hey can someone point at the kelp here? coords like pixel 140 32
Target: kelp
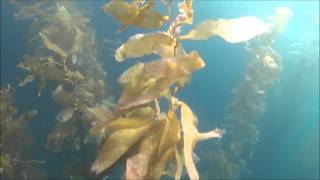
pixel 119 143
pixel 16 142
pixel 65 133
pixel 231 30
pixel 137 166
pixel 184 17
pixel 135 14
pixel 144 83
pixel 42 68
pixel 136 128
pixel 191 136
pixel 145 44
pixel 132 119
pixel 52 46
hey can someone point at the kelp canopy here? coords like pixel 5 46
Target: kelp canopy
pixel 150 140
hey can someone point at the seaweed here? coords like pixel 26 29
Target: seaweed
pixel 134 129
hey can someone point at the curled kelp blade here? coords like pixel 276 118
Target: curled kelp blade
pixel 145 44
pixel 117 144
pixel 231 30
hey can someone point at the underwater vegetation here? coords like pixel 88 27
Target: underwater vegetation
pixel 16 141
pixel 148 130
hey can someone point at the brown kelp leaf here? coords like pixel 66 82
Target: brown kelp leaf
pixel 135 71
pixel 153 79
pixel 157 169
pixel 137 13
pixel 183 82
pixel 191 136
pixel 116 145
pixel 151 19
pixel 232 30
pixel 53 47
pixel 122 11
pixel 171 133
pixel 101 112
pixel 137 166
pixel 133 119
pixel 179 164
pixel 145 44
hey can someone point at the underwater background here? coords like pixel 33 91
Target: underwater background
pixel 287 143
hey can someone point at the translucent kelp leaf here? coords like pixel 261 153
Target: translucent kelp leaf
pixel 191 136
pixel 154 78
pixel 280 19
pixel 53 46
pixel 158 168
pixel 134 119
pixel 179 164
pixel 137 166
pixel 116 145
pixel 136 13
pixel 232 30
pixel 151 19
pixel 183 81
pixel 171 133
pixel 101 112
pixel 126 78
pixel 122 11
pixel 145 44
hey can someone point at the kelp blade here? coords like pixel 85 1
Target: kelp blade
pixel 231 30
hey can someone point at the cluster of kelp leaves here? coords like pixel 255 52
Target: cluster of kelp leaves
pixel 152 142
